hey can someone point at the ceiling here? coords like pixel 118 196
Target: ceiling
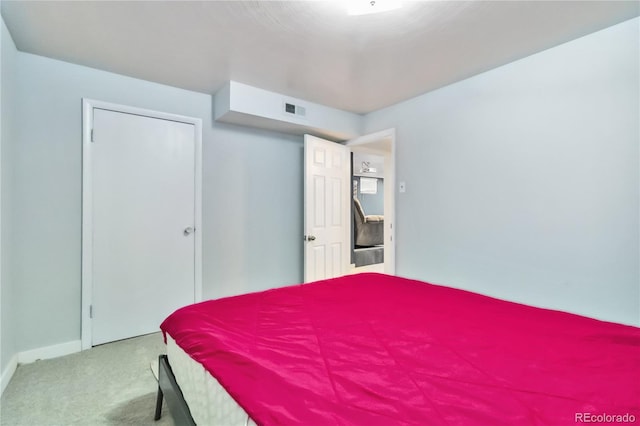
pixel 311 50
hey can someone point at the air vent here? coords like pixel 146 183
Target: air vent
pixel 292 109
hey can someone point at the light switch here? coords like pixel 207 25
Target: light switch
pixel 403 187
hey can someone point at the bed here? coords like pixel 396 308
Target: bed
pixel 373 349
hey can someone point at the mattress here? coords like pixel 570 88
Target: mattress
pixel 375 349
pixel 208 402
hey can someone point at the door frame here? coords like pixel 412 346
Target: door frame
pixel 88 105
pixel 367 144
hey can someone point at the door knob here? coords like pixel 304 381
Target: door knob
pixel 188 231
pixel 309 237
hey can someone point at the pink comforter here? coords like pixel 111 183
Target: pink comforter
pixel 372 349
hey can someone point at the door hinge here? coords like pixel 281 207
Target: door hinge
pixel 90 311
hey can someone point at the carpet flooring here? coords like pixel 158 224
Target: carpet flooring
pixel 111 384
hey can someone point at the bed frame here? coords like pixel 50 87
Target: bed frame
pixel 169 390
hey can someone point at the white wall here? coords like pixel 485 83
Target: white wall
pixel 252 195
pixel 523 182
pixel 7 97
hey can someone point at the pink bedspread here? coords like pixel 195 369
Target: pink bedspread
pixel 372 349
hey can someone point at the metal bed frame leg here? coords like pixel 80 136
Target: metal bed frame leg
pixel 169 391
pixel 158 404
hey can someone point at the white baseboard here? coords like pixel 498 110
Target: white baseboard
pixel 35 355
pixel 7 374
pixel 49 352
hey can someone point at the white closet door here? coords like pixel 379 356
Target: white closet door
pixel 143 220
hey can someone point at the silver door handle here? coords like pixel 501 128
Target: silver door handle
pixel 309 238
pixel 188 231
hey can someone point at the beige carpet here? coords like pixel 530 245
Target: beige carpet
pixel 110 384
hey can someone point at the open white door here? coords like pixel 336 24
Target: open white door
pixel 326 209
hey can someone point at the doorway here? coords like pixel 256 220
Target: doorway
pixel 141 245
pixel 328 205
pixel 373 206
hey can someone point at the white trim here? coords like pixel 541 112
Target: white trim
pixel 33 355
pixel 198 212
pixel 8 372
pixel 6 375
pixel 87 224
pixel 88 106
pixel 49 352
